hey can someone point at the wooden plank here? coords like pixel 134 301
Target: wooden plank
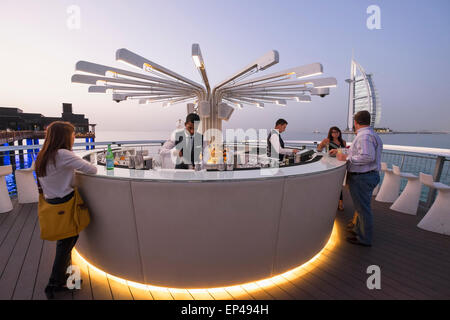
pixel 314 278
pixel 200 294
pixel 425 243
pixel 414 266
pixel 9 220
pixel 299 279
pixel 160 293
pixel 273 290
pixel 100 285
pixel 8 278
pixel 28 273
pixel 287 286
pixel 238 293
pixel 403 261
pixel 85 293
pixel 353 276
pixel 425 251
pixel 429 267
pixel 180 294
pixel 363 261
pixel 256 292
pixel 338 279
pixel 119 289
pixel 11 237
pixel 220 294
pixel 354 267
pixel 44 270
pixel 140 293
pixel 4 215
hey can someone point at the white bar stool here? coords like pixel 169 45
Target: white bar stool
pixel 437 218
pixel 408 201
pixel 5 200
pixel 376 190
pixel 27 190
pixel 390 188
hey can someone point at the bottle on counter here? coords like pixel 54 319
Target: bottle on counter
pixel 109 159
pixel 224 155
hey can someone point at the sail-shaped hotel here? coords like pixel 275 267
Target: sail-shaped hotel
pixel 362 95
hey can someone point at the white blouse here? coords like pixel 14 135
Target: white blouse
pixel 60 176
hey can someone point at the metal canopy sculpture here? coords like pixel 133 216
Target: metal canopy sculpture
pixel 159 84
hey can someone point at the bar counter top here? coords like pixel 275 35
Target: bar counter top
pixel 324 164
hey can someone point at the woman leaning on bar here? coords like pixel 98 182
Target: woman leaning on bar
pixel 334 141
pixel 55 168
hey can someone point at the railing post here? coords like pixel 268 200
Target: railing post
pixel 403 160
pixel 436 177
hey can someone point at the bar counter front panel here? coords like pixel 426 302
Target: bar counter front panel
pixel 188 229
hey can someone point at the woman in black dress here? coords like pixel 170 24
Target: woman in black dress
pixel 334 141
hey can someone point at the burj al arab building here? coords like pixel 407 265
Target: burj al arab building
pixel 362 95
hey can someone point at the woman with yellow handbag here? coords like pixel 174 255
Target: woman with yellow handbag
pixel 62 213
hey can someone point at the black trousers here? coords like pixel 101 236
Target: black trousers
pixel 63 252
pixel 62 261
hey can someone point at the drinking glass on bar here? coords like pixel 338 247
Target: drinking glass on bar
pixel 139 161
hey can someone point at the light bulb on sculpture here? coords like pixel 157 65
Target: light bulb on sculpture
pixel 213 106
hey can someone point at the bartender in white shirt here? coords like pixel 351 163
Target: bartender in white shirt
pixel 184 146
pixel 275 144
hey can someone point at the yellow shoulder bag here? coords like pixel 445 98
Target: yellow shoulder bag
pixel 64 220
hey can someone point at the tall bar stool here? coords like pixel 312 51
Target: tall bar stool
pixel 376 190
pixel 27 190
pixel 408 201
pixel 437 218
pixel 5 200
pixel 390 188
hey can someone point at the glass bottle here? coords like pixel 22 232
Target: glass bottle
pixel 109 159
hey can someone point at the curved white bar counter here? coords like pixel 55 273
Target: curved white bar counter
pixel 188 229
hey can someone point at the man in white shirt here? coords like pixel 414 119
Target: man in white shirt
pixel 363 166
pixel 275 144
pixel 185 145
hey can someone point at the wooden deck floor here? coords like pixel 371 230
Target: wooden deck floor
pixel 415 264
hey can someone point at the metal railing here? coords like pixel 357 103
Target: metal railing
pixel 410 159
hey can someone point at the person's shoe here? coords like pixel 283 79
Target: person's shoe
pixel 62 289
pixel 341 205
pixel 353 233
pixel 354 240
pixel 50 292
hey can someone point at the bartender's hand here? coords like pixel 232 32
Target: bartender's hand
pixel 333 152
pixel 295 151
pixel 341 157
pixel 180 153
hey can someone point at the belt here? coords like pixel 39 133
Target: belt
pixel 61 200
pixel 356 173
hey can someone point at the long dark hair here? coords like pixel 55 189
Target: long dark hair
pixel 330 137
pixel 57 136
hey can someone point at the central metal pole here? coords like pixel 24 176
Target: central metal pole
pixel 213 121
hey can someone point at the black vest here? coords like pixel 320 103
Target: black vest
pixel 271 153
pixel 191 151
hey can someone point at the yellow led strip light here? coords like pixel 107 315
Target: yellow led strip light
pixel 266 283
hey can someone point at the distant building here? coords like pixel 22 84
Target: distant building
pixel 14 119
pixel 362 95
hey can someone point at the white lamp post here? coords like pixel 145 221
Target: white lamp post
pixel 169 87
